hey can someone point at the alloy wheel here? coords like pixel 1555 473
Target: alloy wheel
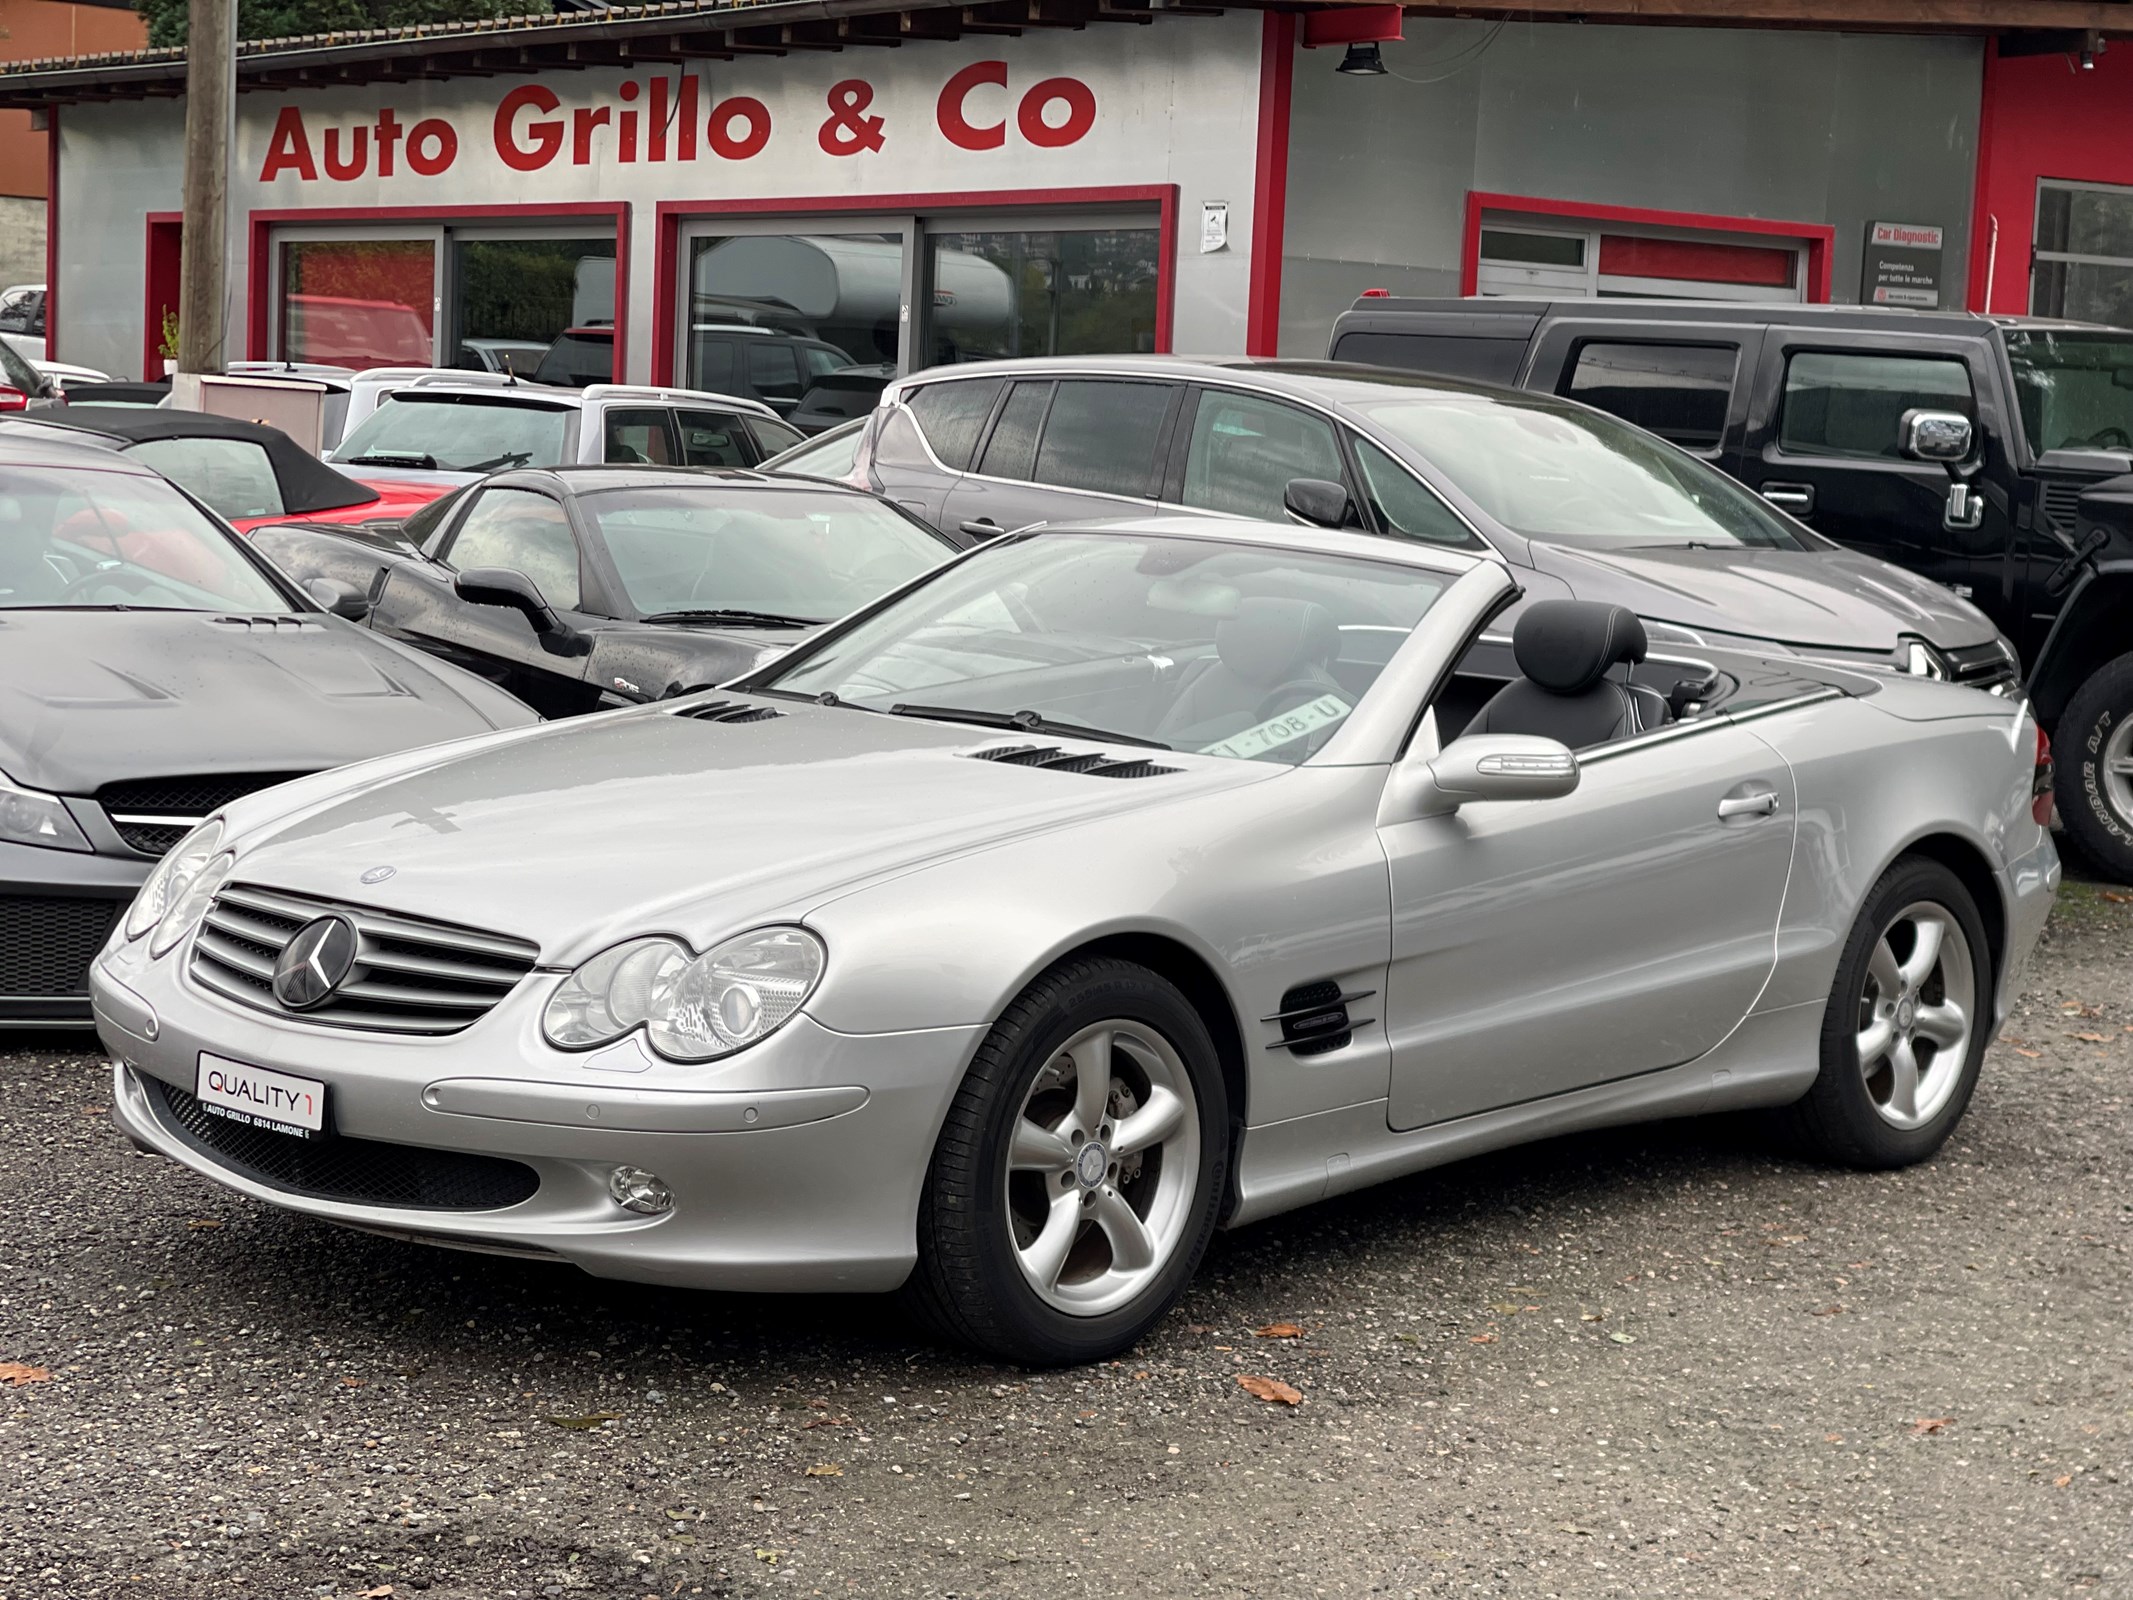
pixel 1914 1022
pixel 1102 1168
pixel 2117 769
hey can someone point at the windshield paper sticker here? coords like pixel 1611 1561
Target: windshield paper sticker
pixel 1284 729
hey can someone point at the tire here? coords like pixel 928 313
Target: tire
pixel 2095 734
pixel 1856 1114
pixel 989 1234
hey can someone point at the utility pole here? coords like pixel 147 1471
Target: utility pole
pixel 210 104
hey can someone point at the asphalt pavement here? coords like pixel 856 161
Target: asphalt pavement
pixel 1660 1361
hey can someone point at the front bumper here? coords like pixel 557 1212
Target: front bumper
pixel 56 909
pixel 795 1165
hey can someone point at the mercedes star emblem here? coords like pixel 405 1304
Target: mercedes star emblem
pixel 378 874
pixel 315 962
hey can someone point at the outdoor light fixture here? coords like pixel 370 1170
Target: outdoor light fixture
pixel 1362 61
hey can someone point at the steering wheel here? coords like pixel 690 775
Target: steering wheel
pixel 1288 696
pixel 124 579
pixel 2109 439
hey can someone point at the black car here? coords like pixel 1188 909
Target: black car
pixel 579 588
pixel 152 668
pixel 1807 404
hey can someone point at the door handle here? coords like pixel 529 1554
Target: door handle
pixel 982 528
pixel 1797 498
pixel 1748 805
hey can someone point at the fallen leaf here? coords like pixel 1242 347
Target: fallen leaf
pixel 1623 1338
pixel 94 1111
pixel 1827 1311
pixel 825 1469
pixel 584 1424
pixel 1926 1425
pixel 2119 899
pixel 1592 1316
pixel 769 1556
pixel 1271 1390
pixel 825 1422
pixel 1482 1338
pixel 1278 1330
pixel 382 1592
pixel 200 1223
pixel 1572 1527
pixel 2062 1482
pixel 1504 1308
pixel 352 1383
pixel 2090 1038
pixel 2032 1054
pixel 1833 1438
pixel 15 1374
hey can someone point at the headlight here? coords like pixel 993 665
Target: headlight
pixel 29 816
pixel 172 876
pixel 1921 660
pixel 692 1008
pixel 190 904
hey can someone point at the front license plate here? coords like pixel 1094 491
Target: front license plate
pixel 260 1098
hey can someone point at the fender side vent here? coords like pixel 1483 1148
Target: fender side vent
pixel 1314 1018
pixel 1054 759
pixel 727 711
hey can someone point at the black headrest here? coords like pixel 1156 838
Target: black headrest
pixel 1566 646
pixel 1270 641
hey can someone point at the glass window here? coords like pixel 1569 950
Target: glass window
pixel 840 295
pixel 1011 452
pixel 579 356
pixel 2095 223
pixel 1041 293
pixel 1577 477
pixel 512 298
pixel 359 302
pixel 1262 652
pixel 952 415
pixel 639 436
pixel 1245 451
pixel 1103 437
pixel 2074 388
pixel 793 553
pixel 1678 391
pixel 1405 504
pixel 231 476
pixel 1535 249
pixel 457 433
pixel 712 439
pixel 827 455
pixel 771 437
pixel 18 373
pixel 95 538
pixel 521 531
pixel 1852 405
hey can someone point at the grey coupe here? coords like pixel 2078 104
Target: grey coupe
pixel 1089 892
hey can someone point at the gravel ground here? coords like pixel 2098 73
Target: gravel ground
pixel 1654 1362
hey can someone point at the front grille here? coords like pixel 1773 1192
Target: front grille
pixel 152 814
pixel 1981 666
pixel 47 942
pixel 410 975
pixel 1053 759
pixel 364 1171
pixel 727 711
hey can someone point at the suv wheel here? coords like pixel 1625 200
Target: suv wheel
pixel 2093 746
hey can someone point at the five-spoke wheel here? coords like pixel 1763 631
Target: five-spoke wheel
pixel 1914 1014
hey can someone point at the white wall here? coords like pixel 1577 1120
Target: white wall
pixel 1176 103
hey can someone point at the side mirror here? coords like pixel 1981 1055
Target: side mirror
pixel 1945 437
pixel 1491 766
pixel 1318 503
pixel 341 599
pixel 503 586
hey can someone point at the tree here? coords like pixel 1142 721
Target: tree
pixel 276 19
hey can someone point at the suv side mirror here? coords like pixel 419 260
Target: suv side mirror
pixel 341 599
pixel 503 586
pixel 1490 766
pixel 1941 436
pixel 1318 503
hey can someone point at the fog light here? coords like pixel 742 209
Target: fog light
pixel 634 1189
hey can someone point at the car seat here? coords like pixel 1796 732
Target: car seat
pixel 1270 657
pixel 1564 649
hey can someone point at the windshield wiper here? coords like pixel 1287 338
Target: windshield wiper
pixel 390 458
pixel 735 617
pixel 510 458
pixel 1022 722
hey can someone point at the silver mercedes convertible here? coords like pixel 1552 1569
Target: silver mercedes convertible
pixel 1094 890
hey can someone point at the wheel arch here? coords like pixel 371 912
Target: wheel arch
pixel 1974 870
pixel 2084 638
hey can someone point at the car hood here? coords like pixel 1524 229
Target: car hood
pixel 95 697
pixel 1827 599
pixel 577 834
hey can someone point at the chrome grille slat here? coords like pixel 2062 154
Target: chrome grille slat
pixel 409 976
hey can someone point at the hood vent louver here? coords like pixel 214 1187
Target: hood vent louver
pixel 1090 764
pixel 727 711
pixel 266 624
pixel 1314 1018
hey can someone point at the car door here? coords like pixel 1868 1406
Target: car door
pixel 1243 450
pixel 1821 443
pixel 521 530
pixel 713 439
pixel 924 442
pixel 639 436
pixel 1068 450
pixel 1544 946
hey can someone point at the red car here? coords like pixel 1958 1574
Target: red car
pixel 248 473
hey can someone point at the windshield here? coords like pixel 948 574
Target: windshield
pixel 457 433
pixel 91 538
pixel 1191 644
pixel 828 455
pixel 809 556
pixel 1578 477
pixel 233 476
pixel 2073 389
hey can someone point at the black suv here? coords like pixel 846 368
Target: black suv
pixel 1808 405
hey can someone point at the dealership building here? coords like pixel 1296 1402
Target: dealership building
pixel 899 186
